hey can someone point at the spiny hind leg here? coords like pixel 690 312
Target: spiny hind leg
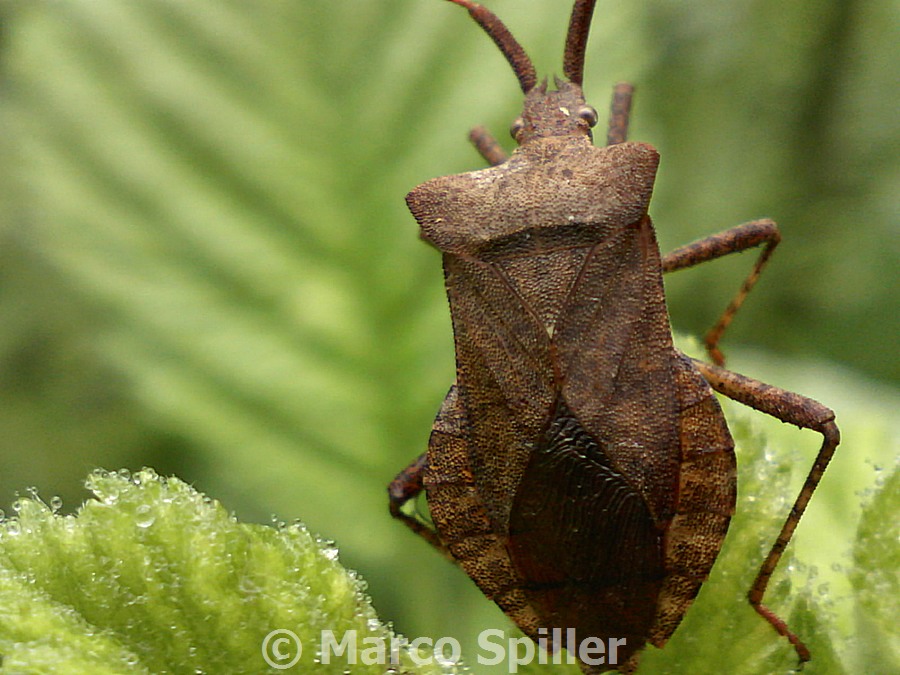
pixel 806 414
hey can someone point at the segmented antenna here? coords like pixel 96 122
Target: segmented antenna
pixel 512 50
pixel 576 41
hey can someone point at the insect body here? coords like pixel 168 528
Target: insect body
pixel 580 469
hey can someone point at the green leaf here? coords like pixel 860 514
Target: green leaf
pixel 876 558
pixel 152 576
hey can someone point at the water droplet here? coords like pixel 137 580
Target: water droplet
pixel 108 495
pixel 248 586
pixel 56 503
pixel 144 516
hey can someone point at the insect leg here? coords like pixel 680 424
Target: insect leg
pixel 739 238
pixel 619 111
pixel 806 414
pixel 408 484
pixel 487 146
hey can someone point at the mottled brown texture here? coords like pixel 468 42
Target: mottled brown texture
pixel 580 469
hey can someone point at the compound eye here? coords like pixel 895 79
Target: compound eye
pixel 516 127
pixel 588 114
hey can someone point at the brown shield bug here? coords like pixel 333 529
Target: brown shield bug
pixel 580 469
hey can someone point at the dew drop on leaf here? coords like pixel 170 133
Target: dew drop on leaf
pixel 144 516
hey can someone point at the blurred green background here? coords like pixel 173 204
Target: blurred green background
pixel 207 266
